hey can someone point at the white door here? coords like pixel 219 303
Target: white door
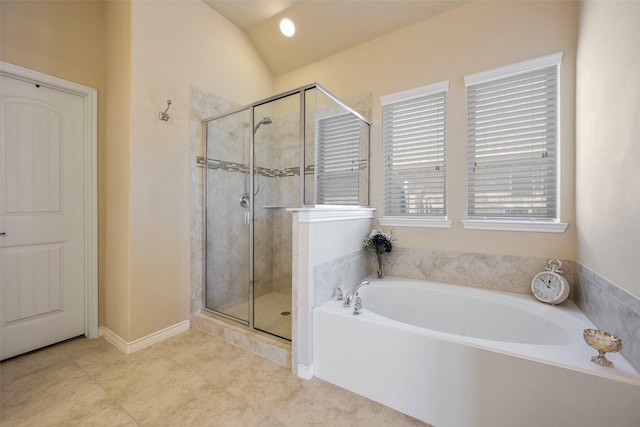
pixel 42 219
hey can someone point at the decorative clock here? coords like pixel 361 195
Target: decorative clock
pixel 550 286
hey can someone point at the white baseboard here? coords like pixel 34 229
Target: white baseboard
pixel 305 372
pixel 140 343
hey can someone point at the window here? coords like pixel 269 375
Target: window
pixel 512 147
pixel 338 160
pixel 414 130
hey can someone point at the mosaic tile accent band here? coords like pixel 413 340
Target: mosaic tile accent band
pixel 240 167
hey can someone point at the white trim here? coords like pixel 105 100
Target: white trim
pixel 507 225
pixel 415 92
pixel 520 67
pixel 305 372
pixel 114 339
pixel 559 148
pixel 90 97
pixel 388 221
pixel 324 214
pixel 140 343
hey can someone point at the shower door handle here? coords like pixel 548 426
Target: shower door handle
pixel 246 218
pixel 244 200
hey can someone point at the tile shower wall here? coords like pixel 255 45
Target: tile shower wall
pixel 611 309
pixel 263 221
pixel 203 105
pixel 285 161
pixel 227 233
pixel 277 161
pixel 223 186
pixel 277 180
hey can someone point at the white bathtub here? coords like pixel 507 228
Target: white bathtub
pixel 458 356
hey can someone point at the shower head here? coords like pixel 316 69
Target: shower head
pixel 266 120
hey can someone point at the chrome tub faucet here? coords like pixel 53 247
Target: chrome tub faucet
pixel 351 293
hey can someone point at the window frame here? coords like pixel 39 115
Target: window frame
pixel 506 223
pixel 436 221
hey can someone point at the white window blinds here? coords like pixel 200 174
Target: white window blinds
pixel 338 160
pixel 414 166
pixel 512 143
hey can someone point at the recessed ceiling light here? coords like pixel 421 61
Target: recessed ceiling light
pixel 287 28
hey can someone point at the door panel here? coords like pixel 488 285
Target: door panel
pixel 42 213
pixel 32 157
pixel 32 281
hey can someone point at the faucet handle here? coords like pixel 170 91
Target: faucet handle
pixel 339 294
pixel 357 306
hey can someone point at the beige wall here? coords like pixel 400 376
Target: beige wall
pixel 174 45
pixel 608 141
pixel 65 40
pixel 115 300
pixel 139 54
pixel 466 40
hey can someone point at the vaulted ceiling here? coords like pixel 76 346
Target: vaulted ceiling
pixel 323 27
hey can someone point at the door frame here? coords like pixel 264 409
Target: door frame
pixel 90 164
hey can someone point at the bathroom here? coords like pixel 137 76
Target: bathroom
pixel 148 203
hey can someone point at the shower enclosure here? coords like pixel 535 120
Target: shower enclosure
pixel 302 148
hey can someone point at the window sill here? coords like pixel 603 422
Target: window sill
pixel 415 222
pixel 506 225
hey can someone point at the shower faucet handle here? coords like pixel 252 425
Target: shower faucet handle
pixel 244 200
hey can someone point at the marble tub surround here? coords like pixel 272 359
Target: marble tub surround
pixel 187 380
pixel 497 272
pixel 611 309
pixel 342 272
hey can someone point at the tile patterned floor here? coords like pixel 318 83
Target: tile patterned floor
pixel 268 309
pixel 191 379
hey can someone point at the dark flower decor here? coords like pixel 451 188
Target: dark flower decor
pixel 379 243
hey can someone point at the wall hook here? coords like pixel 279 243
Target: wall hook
pixel 164 116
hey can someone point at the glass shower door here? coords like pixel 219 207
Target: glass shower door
pixel 276 188
pixel 227 195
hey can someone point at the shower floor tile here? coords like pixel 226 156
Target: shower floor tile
pixel 268 315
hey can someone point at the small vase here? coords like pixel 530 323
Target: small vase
pixel 380 267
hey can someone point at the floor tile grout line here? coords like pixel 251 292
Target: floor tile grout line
pixel 93 380
pixel 225 387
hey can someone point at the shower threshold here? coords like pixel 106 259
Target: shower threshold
pixel 264 345
pixel 268 314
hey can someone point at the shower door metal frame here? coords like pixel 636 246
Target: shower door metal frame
pixel 251 107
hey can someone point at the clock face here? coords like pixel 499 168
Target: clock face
pixel 549 287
